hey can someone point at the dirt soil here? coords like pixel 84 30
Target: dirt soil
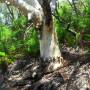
pixel 30 74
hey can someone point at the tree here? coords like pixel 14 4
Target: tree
pixel 39 11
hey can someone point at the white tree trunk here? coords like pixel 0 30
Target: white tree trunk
pixel 48 43
pixel 49 48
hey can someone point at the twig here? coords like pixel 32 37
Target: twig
pixel 12 16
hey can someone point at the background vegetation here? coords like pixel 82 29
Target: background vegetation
pixel 18 37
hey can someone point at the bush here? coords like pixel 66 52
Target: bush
pixel 32 43
pixel 17 41
pixel 78 19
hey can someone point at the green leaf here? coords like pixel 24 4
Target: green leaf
pixel 2 54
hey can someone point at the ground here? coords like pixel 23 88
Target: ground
pixel 32 74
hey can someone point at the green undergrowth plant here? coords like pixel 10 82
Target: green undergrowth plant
pixel 73 23
pixel 32 42
pixel 72 27
pixel 17 41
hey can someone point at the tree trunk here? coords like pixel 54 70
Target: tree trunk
pixel 49 48
pixel 48 42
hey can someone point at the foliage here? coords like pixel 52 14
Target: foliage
pixel 73 22
pixel 17 41
pixel 72 26
pixel 32 43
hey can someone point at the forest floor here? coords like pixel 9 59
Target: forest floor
pixel 30 74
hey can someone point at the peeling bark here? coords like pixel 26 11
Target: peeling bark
pixel 49 42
